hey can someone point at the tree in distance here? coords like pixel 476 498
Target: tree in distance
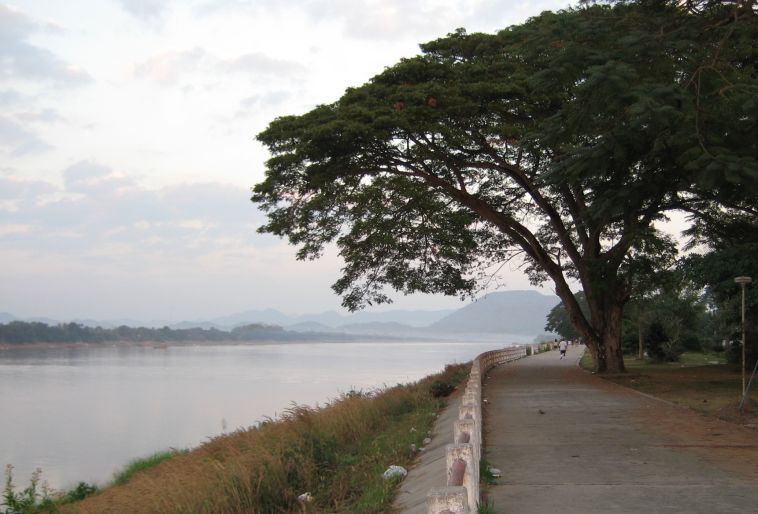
pixel 558 143
pixel 559 322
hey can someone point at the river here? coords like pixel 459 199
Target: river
pixel 83 413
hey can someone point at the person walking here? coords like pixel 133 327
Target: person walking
pixel 562 347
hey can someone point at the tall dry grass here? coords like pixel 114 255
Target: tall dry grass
pixel 337 453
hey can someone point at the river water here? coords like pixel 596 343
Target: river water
pixel 82 414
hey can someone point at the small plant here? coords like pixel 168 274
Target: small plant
pixel 34 498
pixel 80 492
pixel 487 507
pixel 486 476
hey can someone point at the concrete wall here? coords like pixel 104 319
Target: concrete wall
pixel 461 493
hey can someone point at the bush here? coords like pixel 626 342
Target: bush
pixel 658 346
pixel 440 389
pixel 80 492
pixel 449 379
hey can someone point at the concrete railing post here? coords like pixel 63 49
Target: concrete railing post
pixel 447 500
pixel 463 470
pixel 465 431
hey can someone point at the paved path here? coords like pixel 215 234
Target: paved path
pixel 569 442
pixel 429 469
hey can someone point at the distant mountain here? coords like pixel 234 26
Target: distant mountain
pixel 330 319
pixel 415 318
pixel 207 325
pixel 130 322
pixel 6 318
pixel 93 323
pixel 507 312
pixel 46 321
pixel 266 316
pixel 382 328
pixel 310 326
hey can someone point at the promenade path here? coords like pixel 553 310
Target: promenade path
pixel 429 469
pixel 570 442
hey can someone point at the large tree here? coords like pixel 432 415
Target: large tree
pixel 731 242
pixel 559 142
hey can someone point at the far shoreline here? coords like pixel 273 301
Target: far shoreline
pixel 163 345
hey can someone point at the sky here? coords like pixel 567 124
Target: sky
pixel 127 145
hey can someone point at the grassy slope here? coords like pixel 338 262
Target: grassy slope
pixel 337 453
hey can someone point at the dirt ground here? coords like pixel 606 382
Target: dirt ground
pixel 714 390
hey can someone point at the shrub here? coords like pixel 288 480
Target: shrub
pixel 80 492
pixel 658 346
pixel 440 389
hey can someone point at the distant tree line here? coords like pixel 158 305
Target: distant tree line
pixel 22 332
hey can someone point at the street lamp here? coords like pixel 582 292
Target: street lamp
pixel 743 281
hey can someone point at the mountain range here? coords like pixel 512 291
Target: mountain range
pixel 519 313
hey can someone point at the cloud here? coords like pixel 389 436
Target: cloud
pixel 170 67
pixel 20 59
pixel 19 140
pixel 18 193
pixel 368 19
pixel 391 20
pixel 97 206
pixel 47 115
pixel 270 100
pixel 145 10
pixel 261 64
pixel 9 97
pixel 84 173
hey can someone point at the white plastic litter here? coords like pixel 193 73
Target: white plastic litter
pixel 394 471
pixel 496 473
pixel 305 498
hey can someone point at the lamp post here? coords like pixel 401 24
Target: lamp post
pixel 743 281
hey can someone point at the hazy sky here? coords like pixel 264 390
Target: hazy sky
pixel 127 151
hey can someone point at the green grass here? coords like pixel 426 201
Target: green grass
pixel 486 508
pixel 137 465
pixel 485 475
pixel 687 359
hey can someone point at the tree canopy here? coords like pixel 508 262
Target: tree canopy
pixel 559 142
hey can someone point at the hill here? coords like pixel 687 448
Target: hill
pixel 507 312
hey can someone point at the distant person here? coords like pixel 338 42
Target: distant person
pixel 562 347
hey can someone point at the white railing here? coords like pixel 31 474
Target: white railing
pixel 461 493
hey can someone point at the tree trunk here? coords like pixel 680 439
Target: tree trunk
pixel 605 340
pixel 614 356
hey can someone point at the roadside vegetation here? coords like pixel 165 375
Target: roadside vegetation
pixel 336 453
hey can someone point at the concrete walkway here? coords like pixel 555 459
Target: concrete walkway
pixel 429 469
pixel 569 442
